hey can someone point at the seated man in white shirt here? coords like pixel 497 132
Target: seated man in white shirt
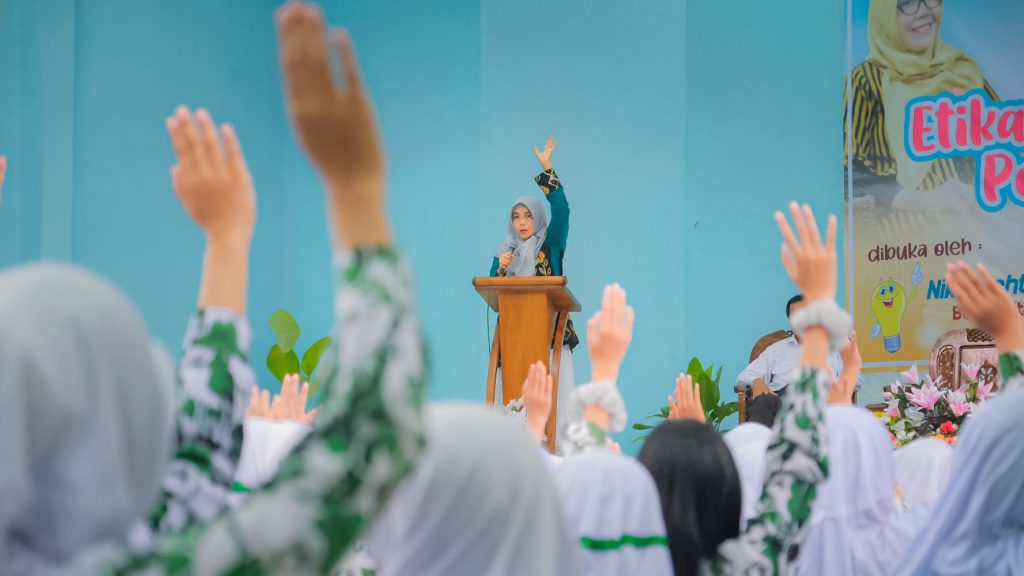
pixel 779 364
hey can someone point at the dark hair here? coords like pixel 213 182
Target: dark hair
pixel 793 300
pixel 699 488
pixel 764 409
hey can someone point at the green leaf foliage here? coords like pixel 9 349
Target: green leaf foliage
pixel 715 411
pixel 286 330
pixel 311 359
pixel 281 363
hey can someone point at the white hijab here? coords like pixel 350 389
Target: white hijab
pixel 857 500
pixel 85 417
pixel 922 469
pixel 978 525
pixel 748 444
pixel 524 252
pixel 612 504
pixel 480 502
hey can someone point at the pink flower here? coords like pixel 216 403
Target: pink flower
pixel 985 390
pixel 911 375
pixel 926 396
pixel 958 404
pixel 971 370
pixel 947 427
pixel 892 411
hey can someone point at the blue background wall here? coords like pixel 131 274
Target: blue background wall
pixel 682 127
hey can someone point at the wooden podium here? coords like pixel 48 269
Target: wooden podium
pixel 532 312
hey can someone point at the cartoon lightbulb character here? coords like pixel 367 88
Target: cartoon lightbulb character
pixel 888 304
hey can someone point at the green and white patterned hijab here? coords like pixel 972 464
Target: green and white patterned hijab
pixel 612 504
pixel 85 418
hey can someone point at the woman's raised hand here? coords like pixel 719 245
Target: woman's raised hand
pixel 609 332
pixel 211 179
pixel 544 156
pixel 685 403
pixel 537 399
pixel 336 125
pixel 811 265
pixel 987 304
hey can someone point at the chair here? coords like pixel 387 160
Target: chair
pixel 965 346
pixel 951 351
pixel 743 392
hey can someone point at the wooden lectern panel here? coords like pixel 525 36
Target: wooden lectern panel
pixel 532 314
pixel 525 338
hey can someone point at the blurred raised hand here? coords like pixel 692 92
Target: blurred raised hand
pixel 987 304
pixel 609 333
pixel 685 403
pixel 335 123
pixel 290 404
pixel 213 184
pixel 537 399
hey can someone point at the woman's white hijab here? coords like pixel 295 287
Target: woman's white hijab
pixel 524 252
pixel 748 444
pixel 857 500
pixel 922 470
pixel 480 502
pixel 613 505
pixel 978 525
pixel 85 417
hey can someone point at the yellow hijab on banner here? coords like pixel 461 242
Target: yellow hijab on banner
pixel 907 75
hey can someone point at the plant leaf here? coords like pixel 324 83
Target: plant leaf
pixel 281 363
pixel 641 426
pixel 285 329
pixel 718 376
pixel 694 369
pixel 311 359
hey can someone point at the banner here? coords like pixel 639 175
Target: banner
pixel 934 135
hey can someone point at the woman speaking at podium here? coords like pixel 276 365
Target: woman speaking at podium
pixel 535 247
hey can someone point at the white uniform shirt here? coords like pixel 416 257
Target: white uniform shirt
pixel 779 365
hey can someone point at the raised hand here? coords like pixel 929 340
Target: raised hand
pixel 685 404
pixel 537 399
pixel 212 180
pixel 336 125
pixel 213 184
pixel 290 404
pixel 987 304
pixel 259 404
pixel 810 264
pixel 3 172
pixel 609 332
pixel 544 156
pixel 850 355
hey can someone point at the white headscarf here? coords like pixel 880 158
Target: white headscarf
pixel 978 525
pixel 857 500
pixel 612 503
pixel 748 444
pixel 85 417
pixel 480 502
pixel 524 252
pixel 922 470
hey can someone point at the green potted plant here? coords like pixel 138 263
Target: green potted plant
pixel 715 411
pixel 283 358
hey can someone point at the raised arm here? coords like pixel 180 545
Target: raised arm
pixel 597 407
pixel 797 457
pixel 843 387
pixel 985 302
pixel 558 228
pixel 213 184
pixel 369 429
